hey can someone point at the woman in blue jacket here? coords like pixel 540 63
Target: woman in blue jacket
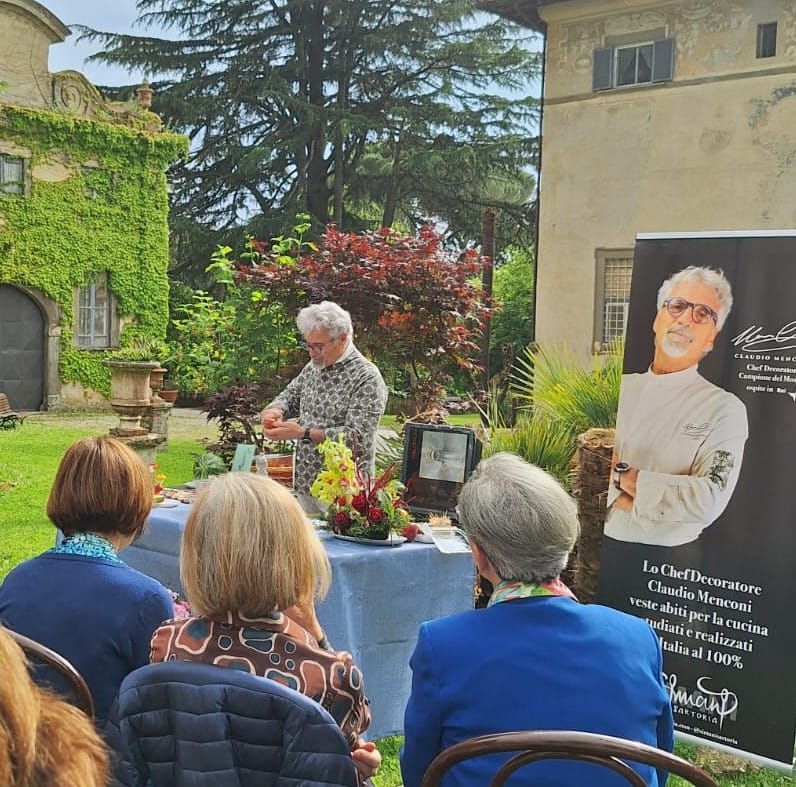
pixel 79 598
pixel 535 658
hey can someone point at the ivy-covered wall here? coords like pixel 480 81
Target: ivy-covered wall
pixel 96 201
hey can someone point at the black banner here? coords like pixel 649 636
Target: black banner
pixel 701 544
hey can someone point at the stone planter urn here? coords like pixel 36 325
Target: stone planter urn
pixel 130 394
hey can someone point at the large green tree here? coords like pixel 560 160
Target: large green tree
pixel 293 105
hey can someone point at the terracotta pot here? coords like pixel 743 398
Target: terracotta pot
pixel 169 396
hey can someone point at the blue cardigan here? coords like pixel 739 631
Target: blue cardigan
pixel 534 664
pixel 97 613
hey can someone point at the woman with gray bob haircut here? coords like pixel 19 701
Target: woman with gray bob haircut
pixel 534 659
pixel 519 517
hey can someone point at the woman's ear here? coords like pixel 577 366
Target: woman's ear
pixel 482 563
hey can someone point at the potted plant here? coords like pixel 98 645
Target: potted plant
pixel 206 465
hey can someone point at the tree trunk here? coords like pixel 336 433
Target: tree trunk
pixel 317 187
pixel 590 487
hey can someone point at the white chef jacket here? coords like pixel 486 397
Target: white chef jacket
pixel 686 437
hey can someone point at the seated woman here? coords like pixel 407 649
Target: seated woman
pixel 44 741
pixel 79 598
pixel 535 659
pixel 251 566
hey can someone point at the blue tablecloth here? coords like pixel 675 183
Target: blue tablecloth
pixel 379 597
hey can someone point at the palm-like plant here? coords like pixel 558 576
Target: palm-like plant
pixel 555 384
pixel 559 398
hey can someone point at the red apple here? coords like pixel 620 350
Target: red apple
pixel 410 531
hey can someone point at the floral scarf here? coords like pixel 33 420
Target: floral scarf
pixel 509 589
pixel 87 545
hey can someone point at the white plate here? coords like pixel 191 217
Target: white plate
pixel 392 541
pixel 167 503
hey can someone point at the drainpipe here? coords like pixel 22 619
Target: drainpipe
pixel 538 185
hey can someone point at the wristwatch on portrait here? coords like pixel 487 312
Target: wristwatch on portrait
pixel 306 439
pixel 619 469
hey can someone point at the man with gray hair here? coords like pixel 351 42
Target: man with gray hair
pixel 338 392
pixel 679 438
pixel 535 658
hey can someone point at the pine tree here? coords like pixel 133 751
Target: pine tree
pixel 330 106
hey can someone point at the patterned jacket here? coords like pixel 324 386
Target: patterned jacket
pixel 345 398
pixel 277 648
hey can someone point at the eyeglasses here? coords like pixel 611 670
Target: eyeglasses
pixel 315 347
pixel 700 313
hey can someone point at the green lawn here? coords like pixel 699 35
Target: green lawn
pixel 29 457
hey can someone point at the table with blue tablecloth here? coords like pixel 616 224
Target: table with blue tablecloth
pixel 378 598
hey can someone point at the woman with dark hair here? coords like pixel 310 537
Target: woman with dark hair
pixel 79 598
pixel 44 741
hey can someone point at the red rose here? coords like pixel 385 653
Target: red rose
pixel 375 515
pixel 342 520
pixel 360 503
pixel 341 502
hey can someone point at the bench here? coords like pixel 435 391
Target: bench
pixel 8 418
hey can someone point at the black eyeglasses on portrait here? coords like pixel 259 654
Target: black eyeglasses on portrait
pixel 700 313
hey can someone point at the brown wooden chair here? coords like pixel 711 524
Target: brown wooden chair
pixel 8 418
pixel 610 752
pixel 51 669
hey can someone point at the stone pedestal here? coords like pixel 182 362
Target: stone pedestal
pixel 157 419
pixel 145 446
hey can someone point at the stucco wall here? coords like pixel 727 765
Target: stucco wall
pixel 26 31
pixel 713 149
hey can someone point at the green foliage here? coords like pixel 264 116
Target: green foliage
pixel 207 464
pixel 415 307
pixel 437 95
pixel 240 335
pixel 554 383
pixel 107 213
pixel 559 399
pixel 538 440
pixel 512 292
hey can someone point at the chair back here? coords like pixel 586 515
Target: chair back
pixel 182 723
pixel 605 750
pixel 52 670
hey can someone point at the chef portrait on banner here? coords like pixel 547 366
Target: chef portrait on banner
pixel 679 438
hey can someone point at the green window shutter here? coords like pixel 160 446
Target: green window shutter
pixel 602 78
pixel 663 60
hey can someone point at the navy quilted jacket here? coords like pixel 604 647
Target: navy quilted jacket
pixel 181 724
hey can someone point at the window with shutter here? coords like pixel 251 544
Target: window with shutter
pixel 12 175
pixel 640 63
pixel 767 40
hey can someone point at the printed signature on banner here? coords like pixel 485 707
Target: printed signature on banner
pixel 701 702
pixel 755 339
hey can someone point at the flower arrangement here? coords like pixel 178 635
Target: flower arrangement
pixel 358 505
pixel 157 478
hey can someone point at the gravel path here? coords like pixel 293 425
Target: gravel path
pixel 185 422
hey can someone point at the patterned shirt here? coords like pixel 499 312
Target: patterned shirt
pixel 277 648
pixel 345 398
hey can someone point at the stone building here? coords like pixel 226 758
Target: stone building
pixel 83 210
pixel 659 116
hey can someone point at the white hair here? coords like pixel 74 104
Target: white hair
pixel 324 315
pixel 520 517
pixel 710 277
